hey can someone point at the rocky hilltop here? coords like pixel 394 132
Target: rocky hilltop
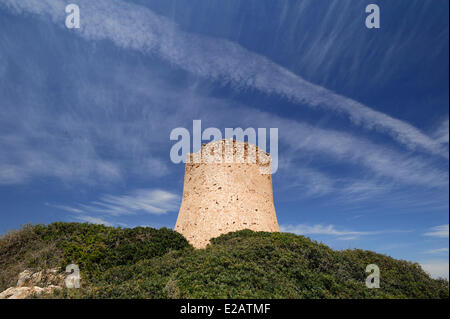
pixel 35 283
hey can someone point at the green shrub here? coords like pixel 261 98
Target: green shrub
pixel 94 248
pixel 151 263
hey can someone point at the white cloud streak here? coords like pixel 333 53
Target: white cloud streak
pixel 135 27
pixel 303 229
pixel 436 268
pixel 150 201
pixel 437 251
pixel 329 230
pixel 66 208
pixel 70 140
pixel 344 147
pixel 67 143
pixel 442 132
pixel 21 160
pixel 93 220
pixel 438 231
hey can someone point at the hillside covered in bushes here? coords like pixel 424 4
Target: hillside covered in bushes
pixel 160 263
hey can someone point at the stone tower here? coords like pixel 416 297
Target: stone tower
pixel 227 187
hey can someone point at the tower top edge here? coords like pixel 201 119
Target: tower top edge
pixel 229 151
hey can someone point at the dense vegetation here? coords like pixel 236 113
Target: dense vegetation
pixel 151 263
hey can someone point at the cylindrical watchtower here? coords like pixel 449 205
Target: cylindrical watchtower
pixel 227 187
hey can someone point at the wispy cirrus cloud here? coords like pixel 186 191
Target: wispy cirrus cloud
pixel 437 251
pixel 69 143
pixel 65 207
pixel 381 160
pixel 93 220
pixel 150 201
pixel 66 144
pixel 331 230
pixel 302 229
pixel 436 268
pixel 135 27
pixel 438 231
pixel 441 134
pixel 22 159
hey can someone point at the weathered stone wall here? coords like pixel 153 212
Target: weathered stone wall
pixel 226 189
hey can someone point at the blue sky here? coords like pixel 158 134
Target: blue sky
pixel 363 114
